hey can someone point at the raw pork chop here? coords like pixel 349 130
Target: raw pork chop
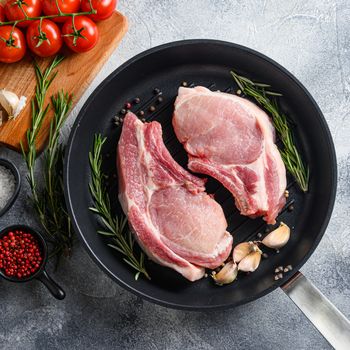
pixel 174 220
pixel 232 140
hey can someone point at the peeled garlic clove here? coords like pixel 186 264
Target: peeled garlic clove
pixel 278 237
pixel 11 103
pixel 241 250
pixel 21 104
pixel 227 274
pixel 251 262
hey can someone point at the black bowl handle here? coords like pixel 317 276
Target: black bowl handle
pixel 51 285
pixel 330 322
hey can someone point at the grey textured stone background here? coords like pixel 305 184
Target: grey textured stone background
pixel 312 40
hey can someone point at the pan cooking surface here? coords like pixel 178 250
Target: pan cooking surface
pixel 207 63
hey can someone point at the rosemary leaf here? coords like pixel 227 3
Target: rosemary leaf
pixel 105 233
pixel 116 227
pixel 289 152
pixel 115 247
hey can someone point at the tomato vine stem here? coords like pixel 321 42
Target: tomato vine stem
pixel 92 12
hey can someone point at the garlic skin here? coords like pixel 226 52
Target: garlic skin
pixel 251 262
pixel 227 274
pixel 11 103
pixel 277 238
pixel 241 250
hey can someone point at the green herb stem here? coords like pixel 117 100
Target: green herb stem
pixel 39 111
pixel 289 152
pixel 85 13
pixel 115 227
pixel 48 201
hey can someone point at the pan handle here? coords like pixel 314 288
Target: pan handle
pixel 51 285
pixel 330 322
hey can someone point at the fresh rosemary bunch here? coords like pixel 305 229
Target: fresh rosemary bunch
pixel 289 152
pixel 115 227
pixel 48 201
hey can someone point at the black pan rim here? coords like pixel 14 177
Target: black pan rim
pixel 90 99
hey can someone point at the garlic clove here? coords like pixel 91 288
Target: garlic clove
pixel 241 250
pixel 227 274
pixel 277 238
pixel 21 104
pixel 11 103
pixel 251 262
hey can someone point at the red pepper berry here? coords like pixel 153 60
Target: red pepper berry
pixel 20 254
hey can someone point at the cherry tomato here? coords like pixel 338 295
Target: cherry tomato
pixel 45 41
pixel 66 6
pixel 14 10
pixel 104 8
pixel 12 44
pixel 85 35
pixel 2 14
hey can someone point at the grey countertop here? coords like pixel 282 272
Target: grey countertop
pixel 309 38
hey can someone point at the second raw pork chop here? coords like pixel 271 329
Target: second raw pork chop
pixel 232 140
pixel 174 220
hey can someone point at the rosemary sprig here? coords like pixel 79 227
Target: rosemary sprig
pixel 48 201
pixel 290 154
pixel 115 227
pixel 39 111
pixel 56 215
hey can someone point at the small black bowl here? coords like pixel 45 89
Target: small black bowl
pixel 41 273
pixel 9 165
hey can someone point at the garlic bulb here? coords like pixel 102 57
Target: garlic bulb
pixel 278 237
pixel 227 274
pixel 241 250
pixel 251 262
pixel 11 103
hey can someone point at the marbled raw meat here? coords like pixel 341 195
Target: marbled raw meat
pixel 232 140
pixel 174 220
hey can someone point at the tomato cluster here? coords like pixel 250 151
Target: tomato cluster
pixel 44 25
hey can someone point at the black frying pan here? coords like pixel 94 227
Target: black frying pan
pixel 207 63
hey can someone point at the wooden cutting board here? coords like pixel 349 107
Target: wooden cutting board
pixel 75 74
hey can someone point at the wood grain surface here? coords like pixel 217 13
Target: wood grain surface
pixel 75 74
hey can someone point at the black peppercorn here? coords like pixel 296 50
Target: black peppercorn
pixel 141 113
pixel 160 99
pixel 136 100
pixel 152 109
pixel 184 83
pixel 156 91
pixel 123 111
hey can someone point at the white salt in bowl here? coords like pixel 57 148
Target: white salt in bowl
pixel 17 184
